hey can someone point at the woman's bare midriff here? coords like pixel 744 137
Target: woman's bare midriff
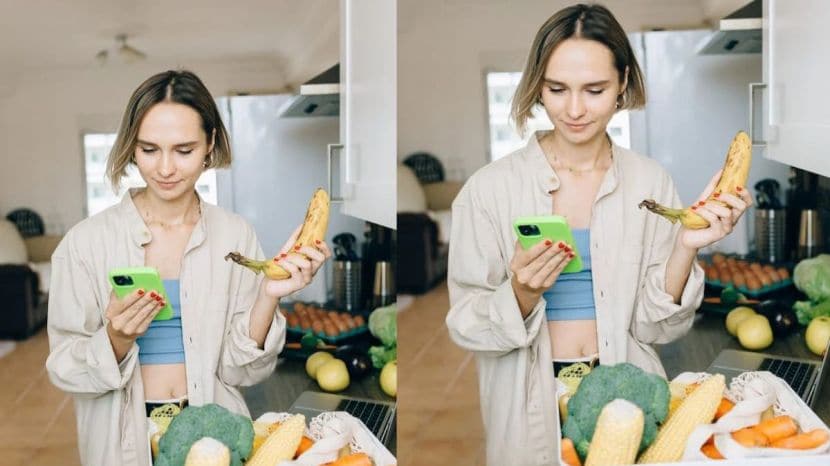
pixel 573 338
pixel 164 381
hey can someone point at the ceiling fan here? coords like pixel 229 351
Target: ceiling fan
pixel 123 52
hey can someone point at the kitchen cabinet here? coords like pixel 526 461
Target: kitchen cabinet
pixel 795 113
pixel 368 110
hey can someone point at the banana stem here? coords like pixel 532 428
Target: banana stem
pixel 256 266
pixel 673 215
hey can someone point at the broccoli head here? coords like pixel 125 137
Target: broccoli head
pixel 606 383
pixel 211 420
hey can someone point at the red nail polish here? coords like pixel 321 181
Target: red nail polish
pixel 283 255
pixel 561 245
pixel 570 256
pixel 567 249
pixel 297 247
pixel 317 241
pixel 694 207
pixel 701 203
pixel 716 195
pixel 739 189
pixel 276 260
pixel 141 292
pixel 153 294
pixel 548 242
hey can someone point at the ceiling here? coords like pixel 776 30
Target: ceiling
pixel 296 35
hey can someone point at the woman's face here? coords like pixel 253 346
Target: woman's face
pixel 171 150
pixel 580 89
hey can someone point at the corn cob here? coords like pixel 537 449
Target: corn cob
pixel 618 434
pixel 282 444
pixel 313 230
pixel 698 408
pixel 735 173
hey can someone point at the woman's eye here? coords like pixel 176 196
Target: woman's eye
pixel 148 150
pixel 596 91
pixel 556 90
pixel 185 151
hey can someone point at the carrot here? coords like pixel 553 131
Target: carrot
pixel 749 437
pixel 805 441
pixel 724 407
pixel 711 451
pixel 777 428
pixel 569 453
pixel 305 444
pixel 355 459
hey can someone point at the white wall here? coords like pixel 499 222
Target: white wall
pixel 43 114
pixel 445 47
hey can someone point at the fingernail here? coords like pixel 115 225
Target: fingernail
pixel 567 249
pixel 141 292
pixel 297 247
pixel 548 242
pixel 716 195
pixel 153 294
pixel 276 259
pixel 317 241
pixel 570 256
pixel 159 298
pixel 738 188
pixel 701 203
pixel 561 245
pixel 694 207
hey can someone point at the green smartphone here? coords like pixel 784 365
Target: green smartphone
pixel 128 279
pixel 531 230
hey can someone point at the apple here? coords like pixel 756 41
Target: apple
pixel 735 317
pixel 389 378
pixel 754 332
pixel 818 332
pixel 333 376
pixel 313 363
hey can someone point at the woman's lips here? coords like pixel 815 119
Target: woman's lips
pixel 576 127
pixel 167 185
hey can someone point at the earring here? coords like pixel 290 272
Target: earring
pixel 619 101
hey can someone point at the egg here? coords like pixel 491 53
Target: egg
pixel 718 258
pixel 738 279
pixel 341 326
pixel 712 274
pixel 317 326
pixel 349 321
pixel 752 282
pixel 298 305
pixel 783 273
pixel 292 320
pixel 305 323
pixel 773 276
pixel 755 266
pixel 764 278
pixel 726 277
pixel 767 268
pixel 359 321
pixel 330 329
pixel 731 261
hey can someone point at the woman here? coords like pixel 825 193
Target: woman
pixel 226 331
pixel 640 284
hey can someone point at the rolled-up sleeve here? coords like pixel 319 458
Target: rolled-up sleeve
pixel 484 316
pixel 81 360
pixel 242 362
pixel 657 318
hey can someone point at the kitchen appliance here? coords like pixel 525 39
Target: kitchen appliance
pixel 696 105
pixel 347 287
pixel 739 32
pixel 770 225
pixel 383 291
pixel 320 96
pixel 809 234
pixel 379 245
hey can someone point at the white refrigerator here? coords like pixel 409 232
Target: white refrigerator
pixel 278 162
pixel 695 106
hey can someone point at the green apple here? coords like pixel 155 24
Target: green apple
pixel 333 376
pixel 313 363
pixel 818 332
pixel 389 378
pixel 754 332
pixel 735 317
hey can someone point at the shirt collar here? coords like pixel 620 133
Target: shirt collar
pixel 140 233
pixel 546 178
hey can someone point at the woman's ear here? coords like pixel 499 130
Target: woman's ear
pixel 212 141
pixel 624 83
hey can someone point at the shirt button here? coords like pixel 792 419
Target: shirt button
pixel 601 294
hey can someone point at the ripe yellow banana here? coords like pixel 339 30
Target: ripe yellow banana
pixel 313 230
pixel 735 173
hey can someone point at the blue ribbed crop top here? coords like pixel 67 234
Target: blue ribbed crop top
pixel 572 295
pixel 162 343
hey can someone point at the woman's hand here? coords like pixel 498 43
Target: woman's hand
pixel 536 269
pixel 130 317
pixel 722 219
pixel 301 263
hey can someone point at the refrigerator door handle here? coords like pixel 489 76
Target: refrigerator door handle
pixel 752 88
pixel 332 148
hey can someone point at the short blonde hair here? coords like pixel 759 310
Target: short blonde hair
pixel 182 87
pixel 594 22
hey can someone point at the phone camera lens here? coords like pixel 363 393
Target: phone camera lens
pixel 528 230
pixel 122 280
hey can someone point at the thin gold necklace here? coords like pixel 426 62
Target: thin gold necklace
pixel 165 225
pixel 580 171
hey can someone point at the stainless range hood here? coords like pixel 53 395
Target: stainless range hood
pixel 318 97
pixel 740 32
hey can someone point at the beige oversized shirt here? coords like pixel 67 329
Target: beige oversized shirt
pixel 216 300
pixel 629 251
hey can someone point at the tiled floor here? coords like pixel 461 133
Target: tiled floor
pixel 438 413
pixel 37 421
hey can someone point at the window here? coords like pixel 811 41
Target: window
pixel 99 195
pixel 503 137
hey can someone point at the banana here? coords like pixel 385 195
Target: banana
pixel 735 173
pixel 313 230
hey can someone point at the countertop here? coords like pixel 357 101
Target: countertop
pixel 708 336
